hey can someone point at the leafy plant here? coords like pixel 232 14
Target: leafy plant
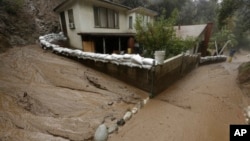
pixel 160 35
pixel 225 35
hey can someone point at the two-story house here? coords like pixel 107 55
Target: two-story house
pixel 100 26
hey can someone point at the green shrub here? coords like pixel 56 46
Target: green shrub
pixel 160 35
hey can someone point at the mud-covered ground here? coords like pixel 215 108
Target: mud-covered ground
pixel 44 96
pixel 199 107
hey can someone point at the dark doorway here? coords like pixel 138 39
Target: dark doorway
pixel 63 22
pixel 111 44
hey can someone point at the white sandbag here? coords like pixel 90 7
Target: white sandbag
pixel 147 61
pixel 109 57
pixel 137 59
pixel 127 56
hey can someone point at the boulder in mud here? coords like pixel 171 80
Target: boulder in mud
pixel 134 110
pixel 101 133
pixel 120 122
pixel 127 116
pixel 112 128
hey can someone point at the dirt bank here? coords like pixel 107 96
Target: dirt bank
pixel 47 97
pixel 200 107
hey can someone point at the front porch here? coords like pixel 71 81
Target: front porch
pixel 107 43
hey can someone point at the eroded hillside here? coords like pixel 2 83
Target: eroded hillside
pixel 22 21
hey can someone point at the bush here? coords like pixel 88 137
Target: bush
pixel 160 35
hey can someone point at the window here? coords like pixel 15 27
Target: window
pixel 71 19
pixel 130 22
pixel 106 18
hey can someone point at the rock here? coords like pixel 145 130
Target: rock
pixel 113 118
pixel 139 105
pixel 247 121
pixel 120 122
pixel 112 128
pixel 101 133
pixel 145 101
pixel 110 103
pixel 127 116
pixel 134 110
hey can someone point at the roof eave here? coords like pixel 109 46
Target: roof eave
pixel 139 9
pixel 104 1
pixel 116 4
pixel 60 5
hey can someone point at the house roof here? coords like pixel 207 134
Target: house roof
pixel 193 31
pixel 144 11
pixel 65 2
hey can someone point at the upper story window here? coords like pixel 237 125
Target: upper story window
pixel 71 19
pixel 130 24
pixel 106 18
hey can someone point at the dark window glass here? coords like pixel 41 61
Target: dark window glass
pixel 106 18
pixel 130 22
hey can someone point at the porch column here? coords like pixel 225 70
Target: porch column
pixel 119 44
pixel 104 45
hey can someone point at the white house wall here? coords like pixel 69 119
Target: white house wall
pixel 84 20
pixel 134 16
pixel 74 39
pixel 88 23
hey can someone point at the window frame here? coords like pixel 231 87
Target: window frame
pixel 71 18
pixel 130 22
pixel 111 24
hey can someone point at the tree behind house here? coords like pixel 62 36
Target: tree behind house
pixel 160 35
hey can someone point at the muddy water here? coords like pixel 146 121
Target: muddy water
pixel 47 97
pixel 200 107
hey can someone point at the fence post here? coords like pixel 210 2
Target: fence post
pixel 151 95
pixel 182 62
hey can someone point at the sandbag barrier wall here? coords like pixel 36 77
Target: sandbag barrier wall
pixel 155 80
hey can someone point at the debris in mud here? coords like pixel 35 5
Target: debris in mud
pixel 32 105
pixel 25 102
pixel 94 82
pixel 110 103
